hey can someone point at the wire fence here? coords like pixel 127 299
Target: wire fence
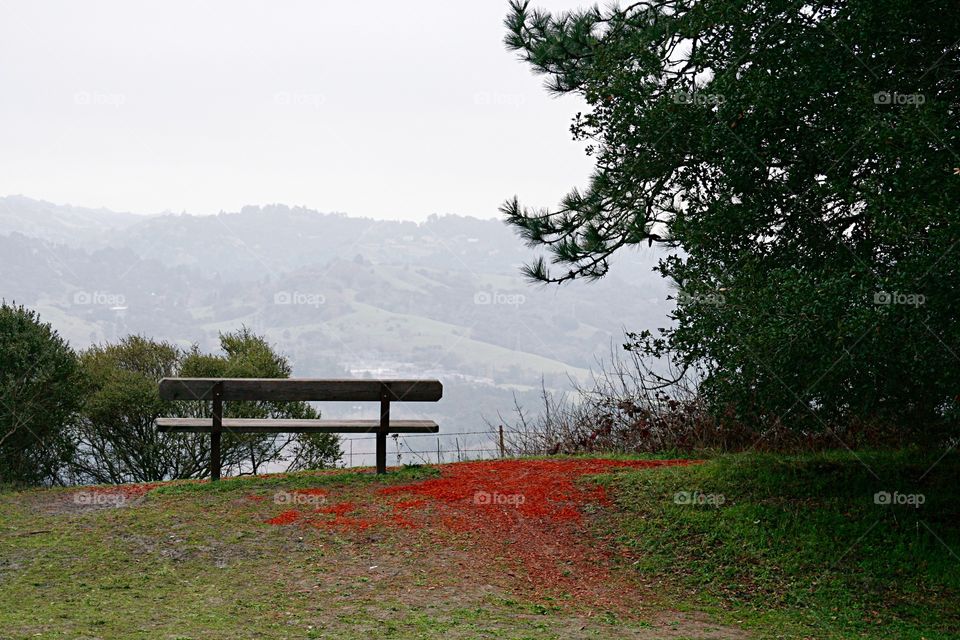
pixel 400 451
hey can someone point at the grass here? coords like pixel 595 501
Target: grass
pixel 303 480
pixel 195 561
pixel 796 546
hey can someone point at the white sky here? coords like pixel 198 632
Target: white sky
pixel 386 109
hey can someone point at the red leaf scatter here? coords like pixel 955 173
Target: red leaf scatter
pixel 339 509
pixel 287 517
pixel 340 518
pixel 530 513
pixel 497 493
pixel 522 513
pixel 409 504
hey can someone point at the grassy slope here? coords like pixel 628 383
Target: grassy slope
pixel 196 561
pixel 799 548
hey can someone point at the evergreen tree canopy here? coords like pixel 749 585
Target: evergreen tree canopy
pixel 800 164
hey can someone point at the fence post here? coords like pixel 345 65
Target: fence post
pixel 503 453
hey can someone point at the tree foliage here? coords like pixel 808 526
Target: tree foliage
pixel 119 441
pixel 247 355
pixel 41 389
pixel 798 162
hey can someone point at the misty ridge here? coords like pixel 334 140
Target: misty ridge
pixel 340 296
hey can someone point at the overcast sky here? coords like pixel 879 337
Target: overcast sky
pixel 392 110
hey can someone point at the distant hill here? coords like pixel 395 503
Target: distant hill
pixel 77 226
pixel 340 295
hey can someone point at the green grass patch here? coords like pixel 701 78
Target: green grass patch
pixel 798 546
pixel 305 480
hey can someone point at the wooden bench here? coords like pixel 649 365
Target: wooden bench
pixel 220 390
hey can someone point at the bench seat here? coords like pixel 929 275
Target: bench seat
pixel 268 425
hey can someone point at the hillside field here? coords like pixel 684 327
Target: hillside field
pixel 736 546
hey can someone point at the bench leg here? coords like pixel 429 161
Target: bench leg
pixel 381 452
pixel 215 456
pixel 384 427
pixel 215 431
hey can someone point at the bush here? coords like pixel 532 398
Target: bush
pixel 41 390
pixel 118 441
pixel 630 407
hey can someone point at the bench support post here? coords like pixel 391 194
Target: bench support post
pixel 216 431
pixel 382 431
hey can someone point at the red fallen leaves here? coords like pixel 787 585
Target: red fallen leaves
pixel 338 511
pixel 340 518
pixel 528 512
pixel 518 490
pixel 287 517
pixel 409 504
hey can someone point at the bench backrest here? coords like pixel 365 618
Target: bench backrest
pixel 302 389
